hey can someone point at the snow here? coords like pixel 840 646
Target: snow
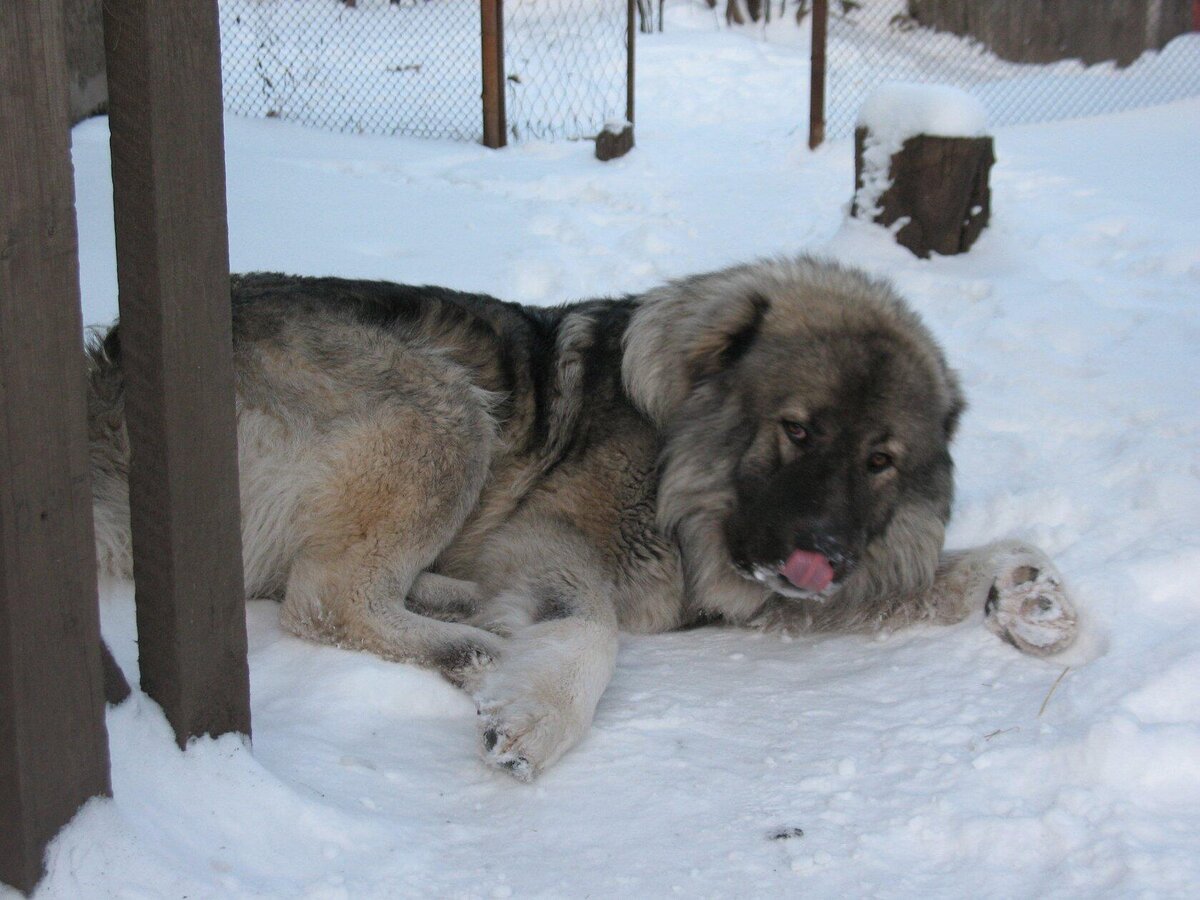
pixel 869 43
pixel 933 761
pixel 896 111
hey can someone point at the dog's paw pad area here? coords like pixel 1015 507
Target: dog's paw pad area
pixel 521 736
pixel 462 664
pixel 1028 607
pixel 519 767
pixel 502 751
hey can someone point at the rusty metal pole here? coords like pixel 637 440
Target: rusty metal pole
pixel 816 99
pixel 495 126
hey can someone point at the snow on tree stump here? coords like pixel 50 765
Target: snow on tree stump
pixel 921 167
pixel 615 140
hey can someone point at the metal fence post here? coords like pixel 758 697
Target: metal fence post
pixel 495 126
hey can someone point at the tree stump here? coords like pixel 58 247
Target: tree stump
pixel 939 184
pixel 614 141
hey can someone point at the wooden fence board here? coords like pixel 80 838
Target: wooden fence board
pixel 1034 31
pixel 53 743
pixel 173 276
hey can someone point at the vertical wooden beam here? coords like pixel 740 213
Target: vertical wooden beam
pixel 816 97
pixel 495 124
pixel 630 35
pixel 168 161
pixel 53 744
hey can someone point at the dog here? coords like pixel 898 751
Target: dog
pixel 495 490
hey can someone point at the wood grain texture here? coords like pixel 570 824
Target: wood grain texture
pixel 941 185
pixel 173 277
pixel 53 744
pixel 1035 31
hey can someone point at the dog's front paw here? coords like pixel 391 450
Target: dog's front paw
pixel 465 663
pixel 522 736
pixel 1027 604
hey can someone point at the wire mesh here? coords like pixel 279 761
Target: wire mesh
pixel 566 66
pixel 873 41
pixel 413 67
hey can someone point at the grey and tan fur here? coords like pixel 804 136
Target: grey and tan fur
pixel 495 490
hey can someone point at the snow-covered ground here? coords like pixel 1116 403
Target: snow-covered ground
pixel 932 762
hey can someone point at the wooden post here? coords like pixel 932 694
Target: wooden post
pixel 53 744
pixel 630 41
pixel 168 164
pixel 495 124
pixel 816 95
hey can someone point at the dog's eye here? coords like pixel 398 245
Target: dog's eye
pixel 879 461
pixel 797 433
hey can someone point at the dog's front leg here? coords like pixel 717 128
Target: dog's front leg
pixel 1019 589
pixel 540 699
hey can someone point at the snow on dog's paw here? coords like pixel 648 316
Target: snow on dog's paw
pixel 1027 604
pixel 521 737
pixel 465 663
pixel 499 752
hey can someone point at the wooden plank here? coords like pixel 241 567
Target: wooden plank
pixel 53 744
pixel 168 165
pixel 1034 31
pixel 495 124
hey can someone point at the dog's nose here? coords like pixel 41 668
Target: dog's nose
pixel 820 536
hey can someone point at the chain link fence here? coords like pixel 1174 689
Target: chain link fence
pixel 413 67
pixel 566 66
pixel 873 41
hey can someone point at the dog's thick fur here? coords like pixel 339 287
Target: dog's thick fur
pixel 494 490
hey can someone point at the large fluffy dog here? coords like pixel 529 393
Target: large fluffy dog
pixel 494 490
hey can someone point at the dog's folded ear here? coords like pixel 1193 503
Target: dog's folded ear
pixel 720 346
pixel 683 337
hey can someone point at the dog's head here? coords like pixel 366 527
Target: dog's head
pixel 807 415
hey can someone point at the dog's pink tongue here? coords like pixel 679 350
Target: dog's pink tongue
pixel 807 571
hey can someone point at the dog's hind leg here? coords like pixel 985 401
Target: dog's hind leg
pixel 1019 590
pixel 442 597
pixel 541 697
pixel 393 490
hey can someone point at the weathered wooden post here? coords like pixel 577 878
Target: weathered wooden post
pixel 495 124
pixel 168 163
pixel 53 743
pixel 921 164
pixel 816 87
